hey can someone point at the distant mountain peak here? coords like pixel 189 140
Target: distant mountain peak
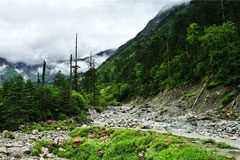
pixel 9 69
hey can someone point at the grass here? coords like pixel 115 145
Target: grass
pixel 209 141
pixel 187 96
pixel 223 145
pixel 125 144
pixel 37 147
pixel 46 126
pixel 213 84
pixel 228 98
pixel 210 119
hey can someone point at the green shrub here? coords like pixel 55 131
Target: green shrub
pixel 188 153
pixel 228 98
pixel 37 147
pixel 214 84
pixel 209 141
pixel 125 144
pixel 187 96
pixel 224 145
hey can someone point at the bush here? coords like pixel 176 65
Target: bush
pixel 209 141
pixel 224 145
pixel 37 147
pixel 228 98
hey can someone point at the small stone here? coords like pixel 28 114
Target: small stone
pixel 84 126
pixel 61 149
pixel 100 153
pixel 12 158
pixel 25 150
pixel 3 150
pixel 3 156
pixel 49 155
pixel 16 154
pixel 139 127
pixel 35 131
pixel 44 150
pixel 7 134
pixel 140 155
pixel 234 138
pixel 91 137
pixel 76 141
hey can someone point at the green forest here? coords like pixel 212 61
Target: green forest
pixel 191 44
pixel 195 42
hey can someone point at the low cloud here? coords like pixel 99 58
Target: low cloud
pixel 31 30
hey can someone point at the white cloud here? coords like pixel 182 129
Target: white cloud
pixel 31 30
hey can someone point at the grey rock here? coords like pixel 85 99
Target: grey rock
pixel 35 131
pixel 3 150
pixel 49 155
pixel 26 150
pixel 16 154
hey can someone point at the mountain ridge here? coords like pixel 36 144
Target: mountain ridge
pixel 10 69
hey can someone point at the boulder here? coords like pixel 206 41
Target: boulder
pixel 26 150
pixel 7 134
pixel 3 150
pixel 139 127
pixel 100 153
pixel 16 154
pixel 76 141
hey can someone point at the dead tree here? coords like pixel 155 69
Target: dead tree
pixel 70 73
pixel 38 77
pixel 222 11
pixel 92 79
pixel 75 78
pixel 43 79
pixel 43 74
pixel 94 83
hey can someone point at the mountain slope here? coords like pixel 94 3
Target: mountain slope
pixel 184 44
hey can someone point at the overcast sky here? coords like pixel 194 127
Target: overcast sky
pixel 31 30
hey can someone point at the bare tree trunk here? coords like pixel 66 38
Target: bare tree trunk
pixel 43 74
pixel 222 11
pixel 94 84
pixel 71 73
pixel 38 76
pixel 200 93
pixel 75 71
pixel 42 98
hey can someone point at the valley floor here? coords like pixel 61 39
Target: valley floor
pixel 127 116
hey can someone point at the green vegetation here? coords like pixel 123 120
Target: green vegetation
pixel 37 147
pixel 119 144
pixel 23 102
pixel 46 126
pixel 187 96
pixel 187 50
pixel 228 98
pixel 224 145
pixel 209 141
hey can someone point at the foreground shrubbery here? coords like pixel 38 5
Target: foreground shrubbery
pixel 118 144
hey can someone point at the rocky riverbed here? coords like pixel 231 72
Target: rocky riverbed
pixel 146 117
pixel 126 116
pixel 21 144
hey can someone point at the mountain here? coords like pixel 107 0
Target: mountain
pixel 9 69
pixel 184 44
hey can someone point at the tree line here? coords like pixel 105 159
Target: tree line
pixel 21 102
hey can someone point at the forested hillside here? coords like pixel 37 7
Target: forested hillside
pixel 184 44
pixel 22 102
pixel 189 44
